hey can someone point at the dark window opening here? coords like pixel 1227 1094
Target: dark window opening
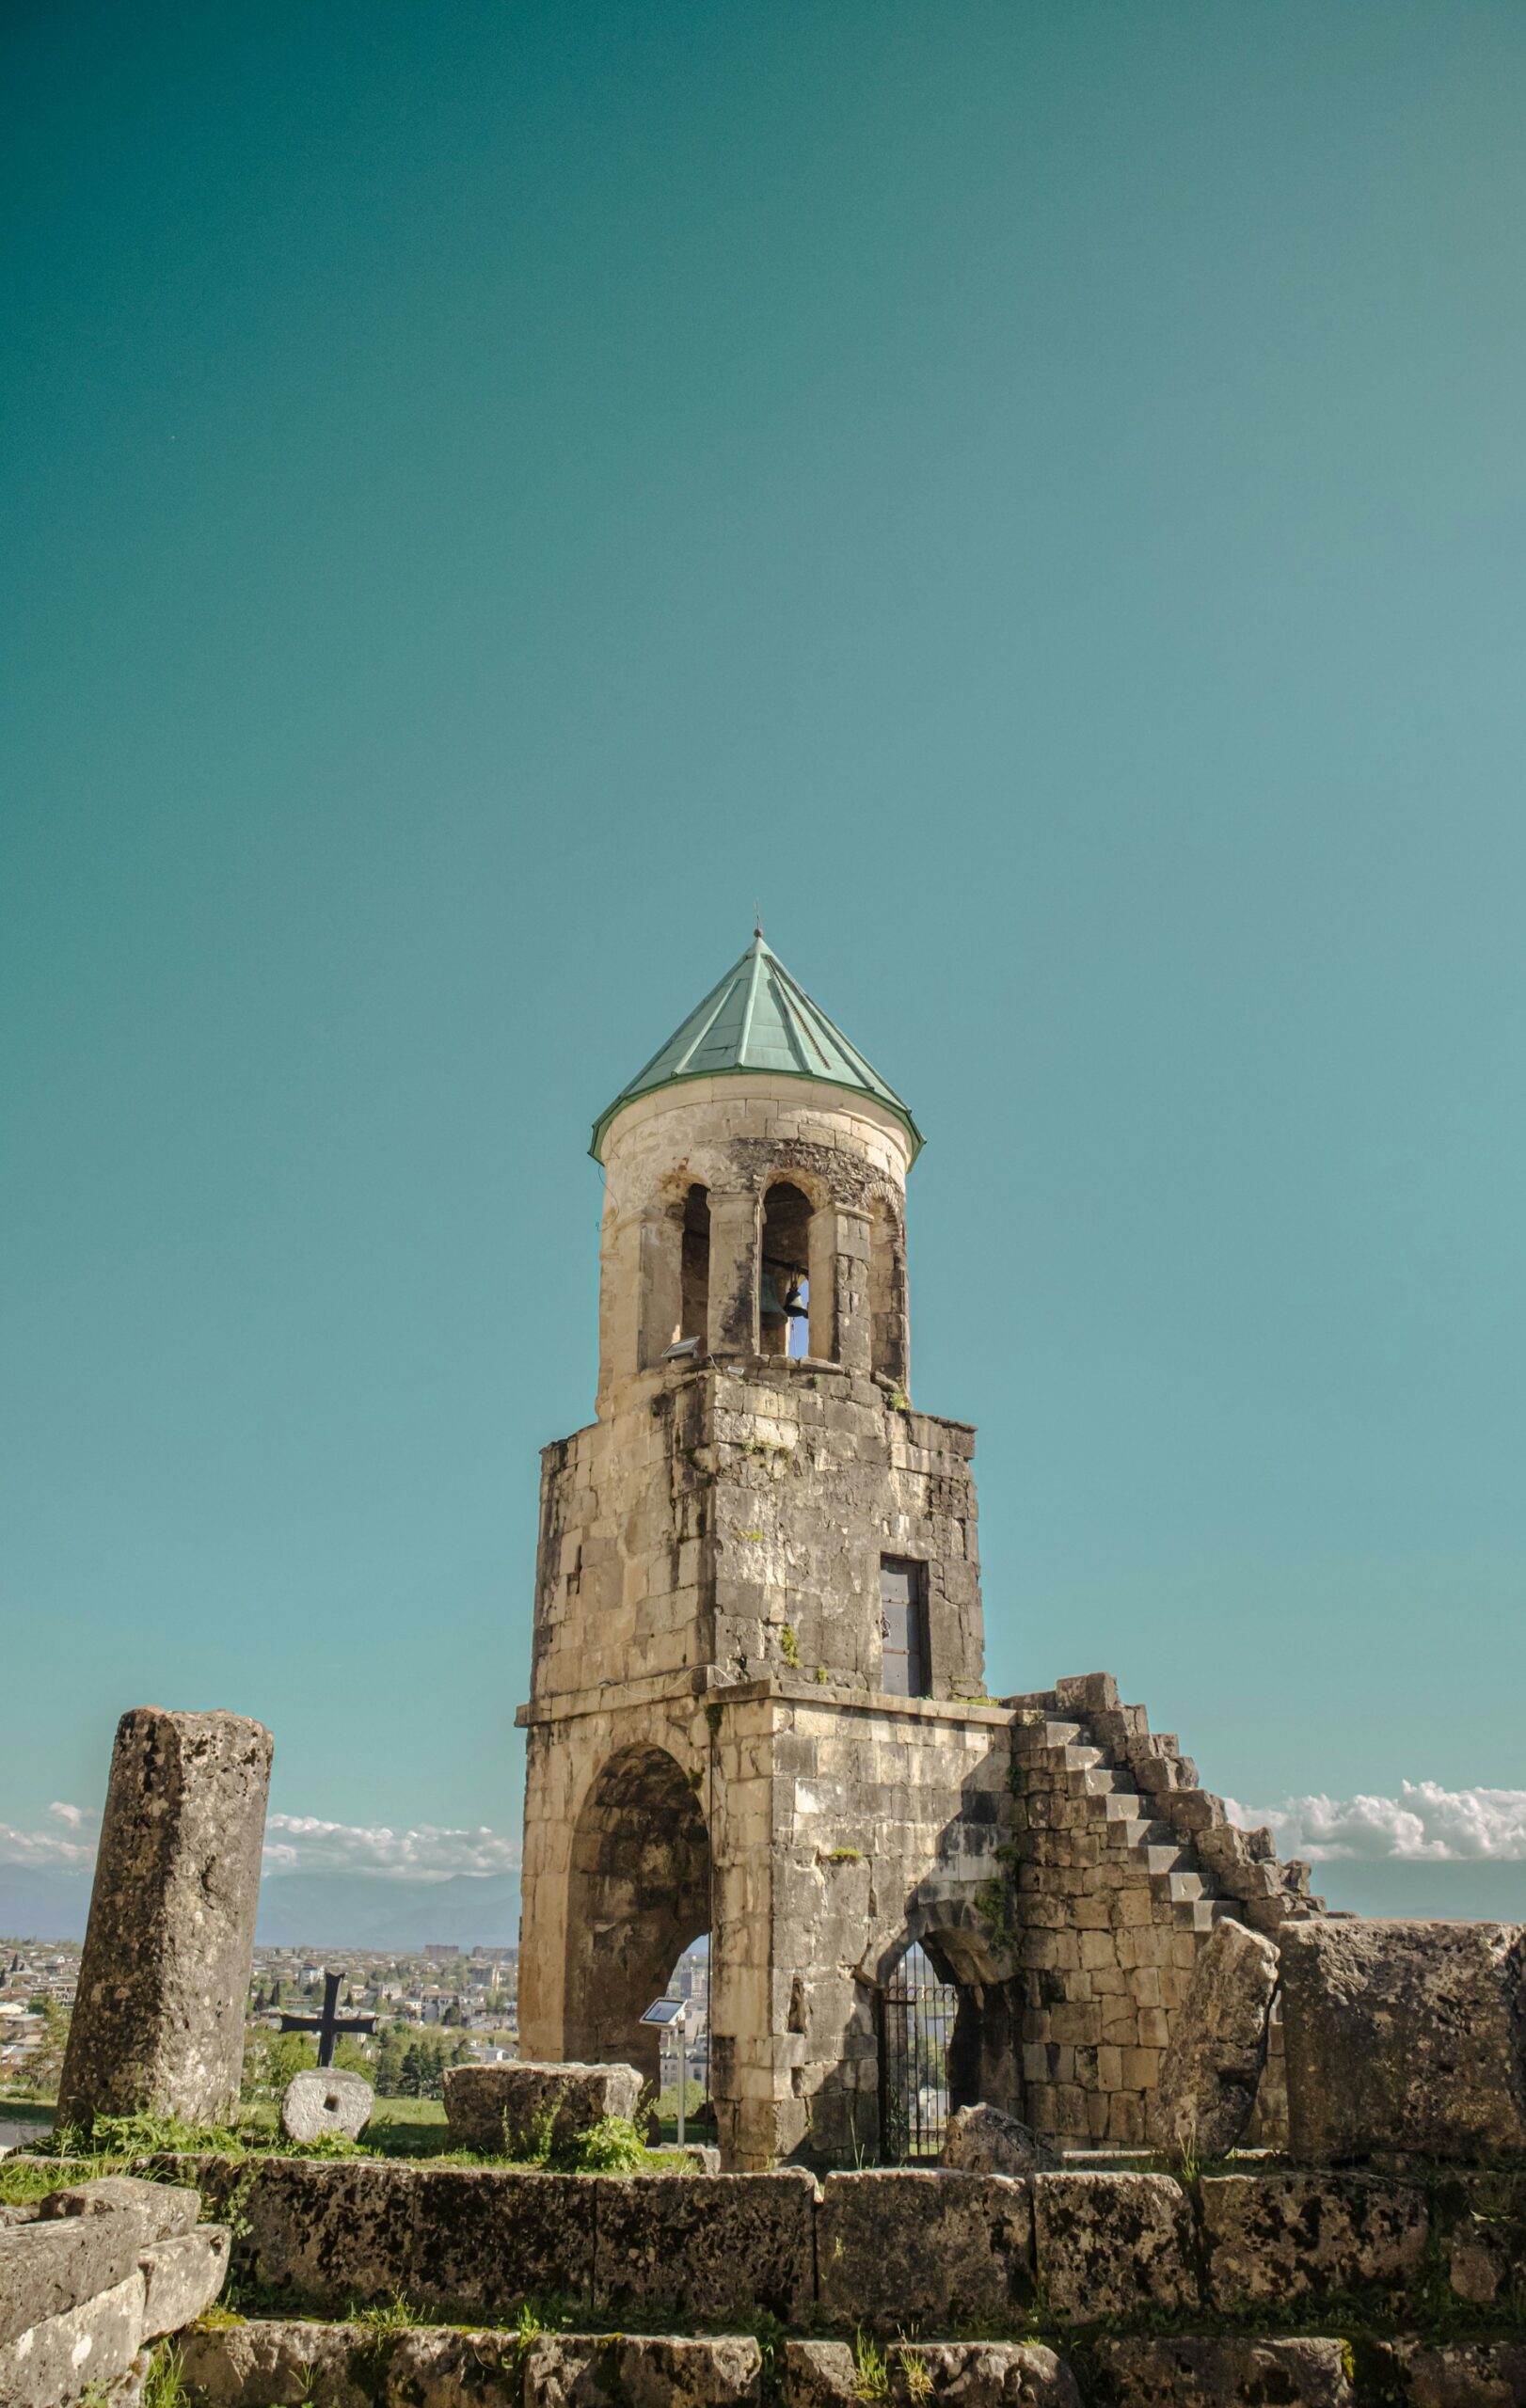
pixel 903 1628
pixel 784 1287
pixel 694 1285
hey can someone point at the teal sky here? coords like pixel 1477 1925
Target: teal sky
pixel 1034 494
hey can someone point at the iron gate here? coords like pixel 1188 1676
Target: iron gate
pixel 916 2024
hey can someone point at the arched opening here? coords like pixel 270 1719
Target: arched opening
pixel 640 1894
pixel 784 1286
pixel 918 2010
pixel 694 1273
pixel 887 1295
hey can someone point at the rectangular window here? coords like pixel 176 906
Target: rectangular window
pixel 903 1628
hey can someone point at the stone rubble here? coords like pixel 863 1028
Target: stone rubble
pixel 986 2140
pixel 1213 2061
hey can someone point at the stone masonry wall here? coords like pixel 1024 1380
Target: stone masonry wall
pixel 736 1517
pixel 1118 1866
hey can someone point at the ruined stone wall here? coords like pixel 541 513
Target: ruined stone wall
pixel 737 1517
pixel 1119 1865
pixel 837 1827
pixel 879 1822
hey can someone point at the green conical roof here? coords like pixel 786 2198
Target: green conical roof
pixel 757 1019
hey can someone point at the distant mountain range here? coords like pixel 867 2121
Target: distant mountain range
pixel 296 1909
pixel 481 1910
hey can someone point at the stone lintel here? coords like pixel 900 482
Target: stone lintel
pixel 665 1687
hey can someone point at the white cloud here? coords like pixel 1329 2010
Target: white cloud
pixel 293 1844
pixel 303 1843
pixel 1427 1823
pixel 65 1849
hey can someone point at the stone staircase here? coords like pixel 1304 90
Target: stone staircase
pixel 1121 1864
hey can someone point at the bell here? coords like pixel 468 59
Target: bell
pixel 769 1307
pixel 795 1305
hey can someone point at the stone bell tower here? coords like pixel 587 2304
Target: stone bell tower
pixel 756 1702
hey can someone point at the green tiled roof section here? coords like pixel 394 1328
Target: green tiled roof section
pixel 757 1019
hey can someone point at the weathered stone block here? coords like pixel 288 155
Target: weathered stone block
pixel 326 2232
pixel 288 2364
pixel 158 2018
pixel 54 2359
pixel 1226 2374
pixel 451 2369
pixel 1487 2253
pixel 1404 2038
pixel 486 2238
pixel 573 2370
pixel 1217 2045
pixel 985 2140
pixel 1456 2374
pixel 1278 2236
pixel 181 2277
pixel 975 2375
pixel 707 2246
pixel 48 2269
pixel 504 2109
pixel 903 2247
pixel 162 2208
pixel 1108 2244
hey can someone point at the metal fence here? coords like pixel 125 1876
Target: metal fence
pixel 916 2023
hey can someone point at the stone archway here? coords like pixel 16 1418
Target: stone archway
pixel 639 1893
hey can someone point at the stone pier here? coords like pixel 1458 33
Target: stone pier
pixel 158 2021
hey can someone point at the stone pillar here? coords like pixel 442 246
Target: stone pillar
pixel 855 1329
pixel 661 1278
pixel 158 2021
pixel 733 1274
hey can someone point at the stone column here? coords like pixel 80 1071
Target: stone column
pixel 661 1275
pixel 158 2021
pixel 856 1330
pixel 733 1274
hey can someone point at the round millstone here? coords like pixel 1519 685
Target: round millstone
pixel 322 2100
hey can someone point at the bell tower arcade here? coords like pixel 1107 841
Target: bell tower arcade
pixel 757 1708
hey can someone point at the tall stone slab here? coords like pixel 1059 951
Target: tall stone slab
pixel 158 2021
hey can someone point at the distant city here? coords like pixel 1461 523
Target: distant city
pixel 435 2006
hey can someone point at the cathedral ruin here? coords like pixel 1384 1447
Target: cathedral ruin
pixel 757 1704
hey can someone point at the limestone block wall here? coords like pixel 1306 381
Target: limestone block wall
pixel 875 1821
pixel 1118 1866
pixel 811 1831
pixel 735 1516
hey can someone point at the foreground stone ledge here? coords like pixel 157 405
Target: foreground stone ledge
pixel 325 2231
pixel 93 2335
pixel 53 2361
pixel 1289 2236
pixel 487 2241
pixel 1111 2244
pixel 896 2250
pixel 299 2364
pixel 975 2375
pixel 708 2246
pixel 561 2370
pixel 1226 2373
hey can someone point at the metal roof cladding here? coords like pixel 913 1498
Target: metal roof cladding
pixel 757 1019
